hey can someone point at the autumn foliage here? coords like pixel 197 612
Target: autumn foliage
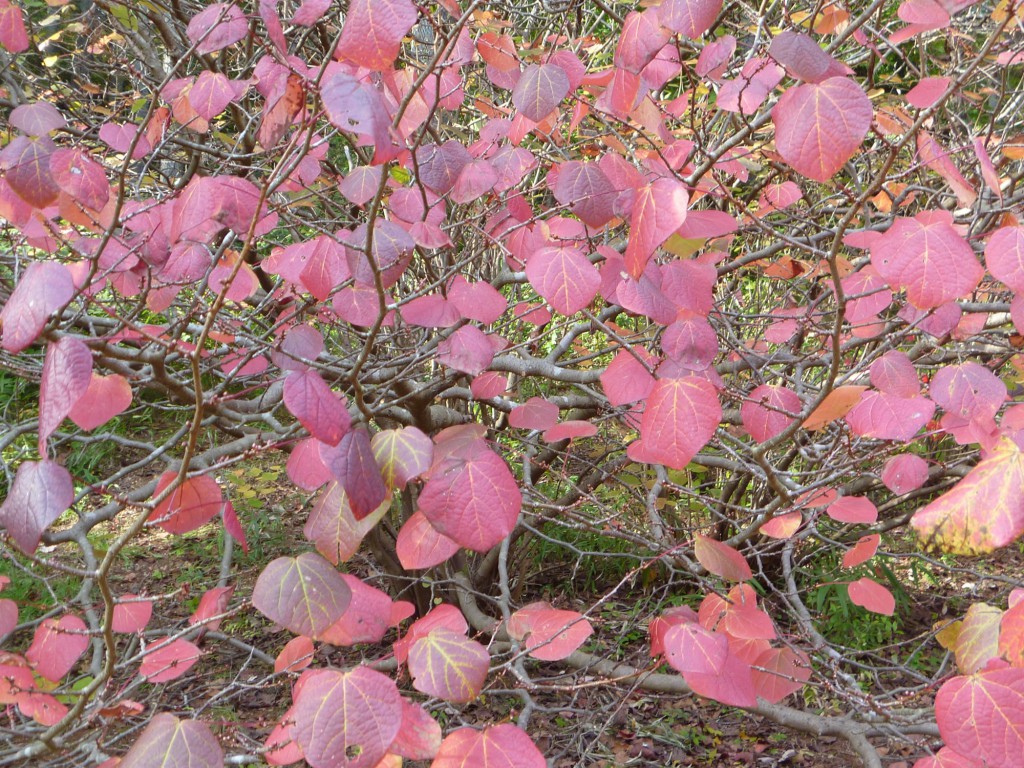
pixel 734 302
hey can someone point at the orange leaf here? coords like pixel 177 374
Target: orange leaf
pixel 836 404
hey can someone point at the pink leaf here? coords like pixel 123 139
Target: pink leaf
pixel 448 665
pixel 496 746
pixel 691 342
pixel 626 380
pixel 473 500
pixel 352 464
pixel 402 455
pixel 889 417
pixel 296 655
pixel 37 119
pixel 872 596
pixel 476 301
pixel 217 27
pixel 565 277
pixel 105 398
pixel 81 177
pixel 1004 256
pixel 168 741
pixel 746 93
pixel 733 685
pixel 310 12
pixel 467 350
pixel 782 526
pixel 549 634
pixel 658 211
pixel 419 738
pixel 894 374
pixel 691 18
pixel 641 38
pixel 131 614
pixel 862 551
pixel 8 617
pixel 444 615
pixel 680 417
pixel 39 495
pixel 303 594
pixel 905 473
pixel 768 410
pixel 44 288
pixel 373 32
pixel 927 92
pixel 540 90
pixel 13 36
pixel 211 94
pixel 347 719
pixel 367 618
pixel 57 645
pixel 535 413
pixel 568 430
pixel 587 191
pixel 970 391
pixel 804 59
pixel 316 406
pixel 979 715
pixel 305 467
pixel 168 661
pixel 853 509
pixel 721 559
pixel 420 546
pixel 819 126
pixel 195 502
pixel 332 527
pixel 67 372
pixel 937 158
pixel 691 649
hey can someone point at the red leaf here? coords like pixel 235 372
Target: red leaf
pixel 44 288
pixel 862 551
pixel 448 665
pixel 721 559
pixel 467 350
pixel 783 526
pixel 819 126
pixel 1004 256
pixel 929 258
pixel 332 527
pixel 550 634
pixel 540 90
pixel 535 413
pixel 691 649
pixel 784 672
pixel 872 596
pixel 658 210
pixel 213 603
pixel 420 546
pixel 296 655
pixel 189 506
pixel 57 645
pixel 67 373
pixel 681 416
pixel 39 495
pixel 217 27
pixel 373 32
pixel 13 36
pixel 170 661
pixel 316 406
pixel 984 511
pixel 766 411
pixel 565 277
pixel 689 17
pixel 994 698
pixel 41 707
pixel 804 59
pixel 346 719
pixel 905 473
pixel 169 741
pixel 131 614
pixel 473 500
pixel 496 746
pixel 853 509
pixel 105 398
pixel 303 594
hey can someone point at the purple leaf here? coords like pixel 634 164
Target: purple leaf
pixel 39 495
